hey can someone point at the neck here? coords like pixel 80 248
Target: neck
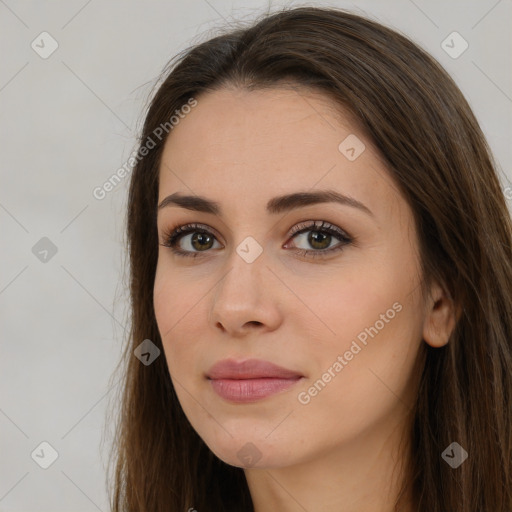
pixel 363 475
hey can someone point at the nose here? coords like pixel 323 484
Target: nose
pixel 246 298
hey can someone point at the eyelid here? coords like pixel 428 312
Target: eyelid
pixel 319 226
pixel 184 229
pixel 172 236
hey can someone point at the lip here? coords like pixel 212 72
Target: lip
pixel 250 380
pixel 249 369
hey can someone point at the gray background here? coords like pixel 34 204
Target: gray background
pixel 68 122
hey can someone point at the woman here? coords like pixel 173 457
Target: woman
pixel 321 271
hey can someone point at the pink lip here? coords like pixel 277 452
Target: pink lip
pixel 250 380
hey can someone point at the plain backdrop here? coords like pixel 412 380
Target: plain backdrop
pixel 68 122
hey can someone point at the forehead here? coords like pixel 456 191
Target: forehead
pixel 257 124
pixel 256 144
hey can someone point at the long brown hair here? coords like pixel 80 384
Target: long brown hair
pixel 435 151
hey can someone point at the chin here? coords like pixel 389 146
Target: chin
pixel 247 456
pixel 242 452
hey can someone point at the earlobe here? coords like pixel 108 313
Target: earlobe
pixel 440 318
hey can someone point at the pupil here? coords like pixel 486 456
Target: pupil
pixel 317 237
pixel 200 238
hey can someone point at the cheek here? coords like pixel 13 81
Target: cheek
pixel 167 308
pixel 374 318
pixel 177 307
pixel 175 294
pixel 352 300
pixel 371 386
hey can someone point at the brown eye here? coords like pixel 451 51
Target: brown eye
pixel 201 241
pixel 316 239
pixel 190 240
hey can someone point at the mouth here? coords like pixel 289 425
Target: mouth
pixel 250 380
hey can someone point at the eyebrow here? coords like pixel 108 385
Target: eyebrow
pixel 276 205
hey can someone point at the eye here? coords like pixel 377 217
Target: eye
pixel 186 240
pixel 191 240
pixel 319 235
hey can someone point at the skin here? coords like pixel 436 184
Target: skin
pixel 241 149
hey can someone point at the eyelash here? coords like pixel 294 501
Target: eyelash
pixel 173 236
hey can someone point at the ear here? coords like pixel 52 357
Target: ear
pixel 440 317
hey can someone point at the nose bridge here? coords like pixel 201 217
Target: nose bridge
pixel 245 272
pixel 243 295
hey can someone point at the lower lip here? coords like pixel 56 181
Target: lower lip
pixel 250 390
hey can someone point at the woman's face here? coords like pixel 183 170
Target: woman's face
pixel 338 304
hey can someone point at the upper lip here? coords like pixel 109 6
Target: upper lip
pixel 249 369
